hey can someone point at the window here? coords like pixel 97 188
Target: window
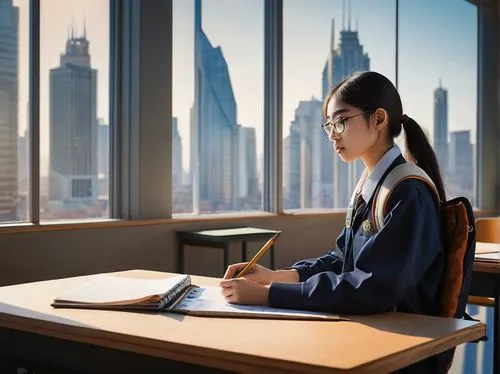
pixel 438 83
pixel 336 38
pixel 74 109
pixel 218 101
pixel 218 84
pixel 13 101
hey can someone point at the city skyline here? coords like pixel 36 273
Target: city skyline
pixel 214 114
pixel 315 178
pixel 456 36
pixel 291 8
pixel 304 55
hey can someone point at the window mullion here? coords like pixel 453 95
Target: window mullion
pixel 273 106
pixel 488 121
pixel 34 111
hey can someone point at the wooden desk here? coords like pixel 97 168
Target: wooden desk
pixel 364 344
pixel 486 283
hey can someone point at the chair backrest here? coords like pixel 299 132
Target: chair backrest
pixel 488 229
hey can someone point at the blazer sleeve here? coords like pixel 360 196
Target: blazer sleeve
pixel 331 261
pixel 390 263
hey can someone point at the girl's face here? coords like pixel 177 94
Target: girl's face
pixel 358 136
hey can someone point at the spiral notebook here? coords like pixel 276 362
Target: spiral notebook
pixel 175 294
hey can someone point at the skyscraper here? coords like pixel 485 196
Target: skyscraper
pixel 73 125
pixel 103 159
pixel 461 167
pixel 103 150
pixel 441 126
pixel 23 164
pixel 286 172
pixel 9 78
pixel 176 154
pixel 305 158
pixel 214 125
pixel 347 58
pixel 248 186
pixel 292 144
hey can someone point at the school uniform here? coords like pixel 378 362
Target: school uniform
pixel 399 267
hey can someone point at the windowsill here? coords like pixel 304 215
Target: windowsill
pixel 216 216
pixel 313 212
pixel 86 224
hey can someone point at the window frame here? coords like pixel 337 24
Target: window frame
pixel 33 195
pixel 488 106
pixel 141 149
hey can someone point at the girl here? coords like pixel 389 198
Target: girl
pixel 398 267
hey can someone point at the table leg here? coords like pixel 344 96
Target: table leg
pixel 243 251
pixel 496 332
pixel 180 257
pixel 226 257
pixel 271 254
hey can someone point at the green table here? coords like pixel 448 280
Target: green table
pixel 221 238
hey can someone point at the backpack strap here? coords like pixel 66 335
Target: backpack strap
pixel 396 176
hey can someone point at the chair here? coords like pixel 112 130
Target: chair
pixel 488 231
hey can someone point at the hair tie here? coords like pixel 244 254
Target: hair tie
pixel 404 119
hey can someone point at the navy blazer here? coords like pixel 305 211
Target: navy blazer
pixel 400 266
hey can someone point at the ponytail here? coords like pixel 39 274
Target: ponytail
pixel 419 151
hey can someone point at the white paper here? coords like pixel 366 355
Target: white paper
pixel 483 247
pixel 210 300
pixel 105 288
pixel 488 256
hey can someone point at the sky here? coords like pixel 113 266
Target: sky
pixel 437 41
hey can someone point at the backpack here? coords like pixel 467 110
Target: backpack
pixel 458 233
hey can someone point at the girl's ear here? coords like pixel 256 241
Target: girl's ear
pixel 381 119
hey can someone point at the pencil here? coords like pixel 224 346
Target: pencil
pixel 259 254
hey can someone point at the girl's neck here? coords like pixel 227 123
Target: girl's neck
pixel 373 156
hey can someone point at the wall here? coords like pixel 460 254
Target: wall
pixel 41 255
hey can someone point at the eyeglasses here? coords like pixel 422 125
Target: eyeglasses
pixel 338 124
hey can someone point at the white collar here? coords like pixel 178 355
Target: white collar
pixel 371 182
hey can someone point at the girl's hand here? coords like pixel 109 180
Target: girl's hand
pixel 257 273
pixel 262 275
pixel 244 291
